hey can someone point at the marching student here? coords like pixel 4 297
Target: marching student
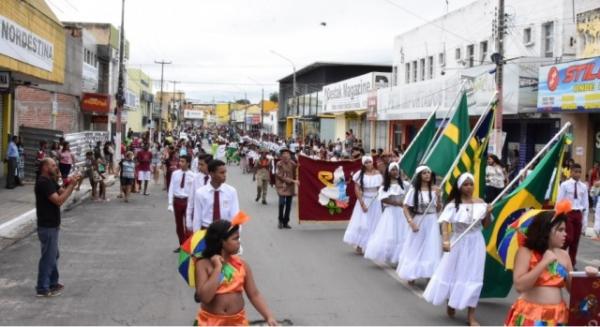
pixel 367 209
pixel 180 190
pixel 458 279
pixel 422 250
pixel 201 178
pixel 575 191
pixel 385 245
pixel 213 201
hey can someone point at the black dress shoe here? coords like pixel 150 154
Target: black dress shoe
pixel 286 226
pixel 264 202
pixel 257 198
pixel 176 250
pixel 280 226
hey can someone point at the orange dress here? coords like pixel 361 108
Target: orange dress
pixel 233 278
pixel 525 313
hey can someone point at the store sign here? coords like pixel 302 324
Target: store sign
pixel 95 103
pixel 4 81
pixel 23 45
pixel 100 119
pixel 573 87
pixel 352 94
pixel 193 114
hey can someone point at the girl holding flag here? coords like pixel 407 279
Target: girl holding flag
pixel 459 277
pixel 367 209
pixel 385 245
pixel 422 250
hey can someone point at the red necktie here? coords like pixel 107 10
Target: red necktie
pixel 575 190
pixel 216 207
pixel 205 179
pixel 182 181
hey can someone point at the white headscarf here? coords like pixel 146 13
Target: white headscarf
pixel 422 168
pixel 366 158
pixel 463 178
pixel 393 165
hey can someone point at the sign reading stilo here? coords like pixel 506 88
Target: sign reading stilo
pixel 574 86
pixel 23 45
pixel 95 103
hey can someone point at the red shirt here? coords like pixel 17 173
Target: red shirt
pixel 144 159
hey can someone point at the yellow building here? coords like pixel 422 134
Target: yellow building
pixel 137 107
pixel 32 50
pixel 222 111
pixel 171 102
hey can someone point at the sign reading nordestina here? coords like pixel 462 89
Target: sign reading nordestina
pixel 21 44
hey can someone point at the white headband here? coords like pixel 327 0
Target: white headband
pixel 422 168
pixel 393 165
pixel 366 158
pixel 463 178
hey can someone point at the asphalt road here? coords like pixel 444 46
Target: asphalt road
pixel 118 269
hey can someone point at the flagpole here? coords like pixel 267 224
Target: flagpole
pixel 419 133
pixel 440 130
pixel 464 146
pixel 521 173
pixel 473 132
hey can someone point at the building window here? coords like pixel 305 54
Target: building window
pixel 457 54
pixel 483 51
pixel 422 68
pixel 442 59
pixel 414 71
pixel 470 55
pixel 548 39
pixel 527 36
pixel 430 66
pixel 407 73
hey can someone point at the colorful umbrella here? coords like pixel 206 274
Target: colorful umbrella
pixel 192 249
pixel 515 237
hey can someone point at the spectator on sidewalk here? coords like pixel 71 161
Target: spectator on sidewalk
pixel 286 186
pixel 12 155
pixel 20 162
pixel 127 175
pixel 100 177
pixel 144 159
pixel 67 159
pixel 49 197
pixel 54 152
pixel 41 155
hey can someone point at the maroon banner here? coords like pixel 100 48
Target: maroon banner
pixel 584 307
pixel 326 191
pixel 95 103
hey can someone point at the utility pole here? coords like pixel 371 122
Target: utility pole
pixel 120 87
pixel 173 98
pixel 162 64
pixel 499 75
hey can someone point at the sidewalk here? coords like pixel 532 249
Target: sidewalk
pixel 18 214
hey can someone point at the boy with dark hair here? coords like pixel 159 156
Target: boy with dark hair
pixel 180 192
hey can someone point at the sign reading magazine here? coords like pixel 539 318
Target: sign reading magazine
pixel 326 191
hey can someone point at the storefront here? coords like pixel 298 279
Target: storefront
pixel 32 51
pixel 573 91
pixel 96 109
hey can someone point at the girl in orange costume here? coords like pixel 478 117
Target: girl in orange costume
pixel 221 278
pixel 541 271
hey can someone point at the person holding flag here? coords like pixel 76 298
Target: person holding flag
pixel 459 277
pixel 423 247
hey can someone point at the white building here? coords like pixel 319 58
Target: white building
pixel 433 60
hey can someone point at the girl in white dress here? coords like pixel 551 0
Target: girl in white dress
pixel 459 277
pixel 367 209
pixel 385 245
pixel 423 246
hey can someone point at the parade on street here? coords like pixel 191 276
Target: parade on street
pixel 440 167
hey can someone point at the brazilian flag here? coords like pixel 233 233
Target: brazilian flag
pixel 415 152
pixel 473 159
pixel 455 135
pixel 532 193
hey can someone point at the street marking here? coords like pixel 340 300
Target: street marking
pixel 29 215
pixel 392 272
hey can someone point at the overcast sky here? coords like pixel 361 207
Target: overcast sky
pixel 221 49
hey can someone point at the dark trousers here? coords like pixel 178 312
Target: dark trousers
pixel 574 225
pixel 491 193
pixel 48 265
pixel 285 205
pixel 179 209
pixel 11 176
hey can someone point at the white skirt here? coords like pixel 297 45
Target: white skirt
pixel 422 250
pixel 459 277
pixel 362 224
pixel 386 242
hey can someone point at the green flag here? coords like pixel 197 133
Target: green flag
pixel 414 154
pixel 455 135
pixel 532 193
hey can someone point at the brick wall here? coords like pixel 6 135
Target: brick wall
pixel 33 108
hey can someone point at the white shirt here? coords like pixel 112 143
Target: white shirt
pixel 203 205
pixel 194 167
pixel 567 191
pixel 198 183
pixel 175 189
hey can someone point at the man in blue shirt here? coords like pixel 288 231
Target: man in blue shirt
pixel 12 154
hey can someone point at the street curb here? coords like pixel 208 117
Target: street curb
pixel 21 226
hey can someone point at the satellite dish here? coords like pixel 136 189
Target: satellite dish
pixel 496 58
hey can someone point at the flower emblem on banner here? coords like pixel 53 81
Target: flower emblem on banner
pixel 333 196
